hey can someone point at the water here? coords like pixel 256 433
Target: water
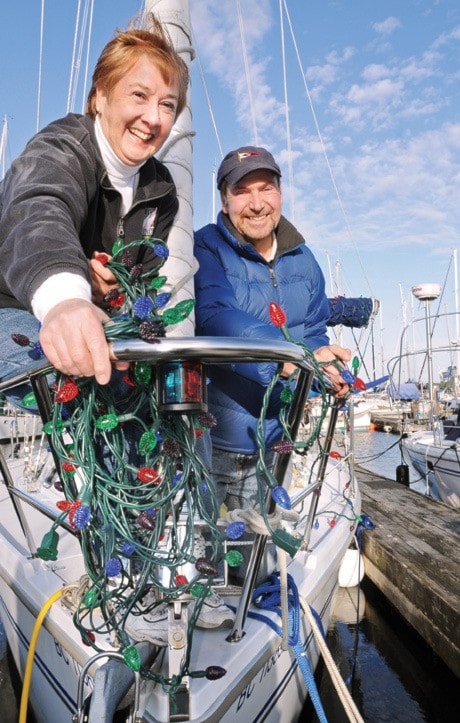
pixel 380 452
pixel 392 675
pixel 8 699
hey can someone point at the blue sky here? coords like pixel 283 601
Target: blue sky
pixel 374 142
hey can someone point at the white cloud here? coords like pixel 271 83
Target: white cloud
pixel 388 26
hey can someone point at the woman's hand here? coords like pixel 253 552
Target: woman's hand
pixel 72 337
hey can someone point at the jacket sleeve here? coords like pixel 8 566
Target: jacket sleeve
pixel 44 203
pixel 218 313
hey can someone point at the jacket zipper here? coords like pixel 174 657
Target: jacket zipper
pixel 273 276
pixel 121 227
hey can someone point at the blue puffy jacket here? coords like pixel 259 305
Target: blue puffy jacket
pixel 234 287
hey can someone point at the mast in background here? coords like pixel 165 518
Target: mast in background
pixel 457 322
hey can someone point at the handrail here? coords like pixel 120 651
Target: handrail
pixel 279 470
pixel 209 350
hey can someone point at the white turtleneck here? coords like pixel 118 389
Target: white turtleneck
pixel 68 285
pixel 123 177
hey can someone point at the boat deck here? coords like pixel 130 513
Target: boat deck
pixel 412 556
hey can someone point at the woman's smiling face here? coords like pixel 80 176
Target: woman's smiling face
pixel 137 114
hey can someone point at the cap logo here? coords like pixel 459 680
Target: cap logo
pixel 246 154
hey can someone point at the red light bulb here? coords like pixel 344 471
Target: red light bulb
pixel 277 314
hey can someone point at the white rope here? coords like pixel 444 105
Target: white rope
pixel 343 693
pixel 256 522
pixel 282 562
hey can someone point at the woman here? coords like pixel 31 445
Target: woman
pixel 80 183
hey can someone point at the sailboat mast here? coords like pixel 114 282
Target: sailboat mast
pixel 337 282
pixel 457 321
pixel 176 154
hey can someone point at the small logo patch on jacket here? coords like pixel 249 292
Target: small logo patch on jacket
pixel 149 221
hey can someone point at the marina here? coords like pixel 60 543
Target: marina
pixel 391 673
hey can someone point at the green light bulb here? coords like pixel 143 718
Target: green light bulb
pixel 50 427
pixel 179 312
pixel 117 246
pixel 147 442
pixel 286 395
pixel 142 372
pixel 233 558
pixel 158 282
pixel 106 422
pixel 132 658
pixel 29 400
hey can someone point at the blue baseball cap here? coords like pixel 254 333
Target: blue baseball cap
pixel 237 164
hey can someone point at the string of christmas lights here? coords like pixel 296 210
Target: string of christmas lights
pixel 133 481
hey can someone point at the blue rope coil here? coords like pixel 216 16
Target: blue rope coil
pixel 267 596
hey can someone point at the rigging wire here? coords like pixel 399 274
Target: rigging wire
pixel 323 148
pixel 79 36
pixel 80 53
pixel 435 320
pixel 208 97
pixel 3 146
pixel 40 58
pixel 72 64
pixel 88 48
pixel 286 107
pixel 248 77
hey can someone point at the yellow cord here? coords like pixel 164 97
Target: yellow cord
pixel 30 655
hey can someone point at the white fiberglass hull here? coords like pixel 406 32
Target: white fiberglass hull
pixel 263 681
pixel 361 417
pixel 439 462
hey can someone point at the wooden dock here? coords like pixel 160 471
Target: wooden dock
pixel 394 423
pixel 413 557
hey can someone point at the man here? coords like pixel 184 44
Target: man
pixel 253 256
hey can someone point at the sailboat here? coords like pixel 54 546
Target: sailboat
pixel 434 452
pixel 69 580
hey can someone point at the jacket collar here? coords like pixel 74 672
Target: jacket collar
pixel 287 235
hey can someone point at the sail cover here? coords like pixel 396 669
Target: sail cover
pixel 355 313
pixel 407 391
